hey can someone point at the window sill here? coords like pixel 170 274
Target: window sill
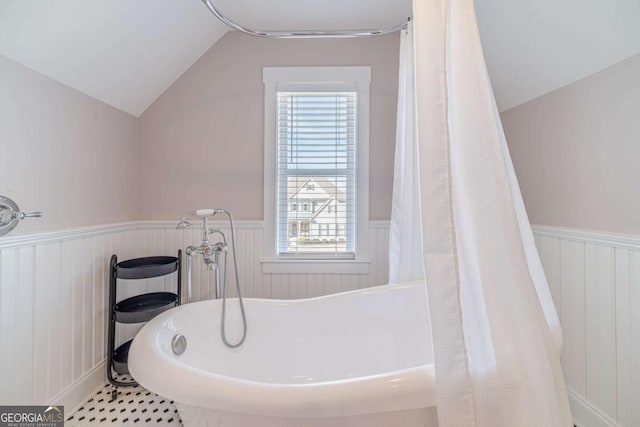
pixel 313 266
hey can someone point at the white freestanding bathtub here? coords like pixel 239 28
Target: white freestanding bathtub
pixel 355 359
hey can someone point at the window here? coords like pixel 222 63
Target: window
pixel 316 162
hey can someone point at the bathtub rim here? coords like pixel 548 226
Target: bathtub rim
pixel 401 389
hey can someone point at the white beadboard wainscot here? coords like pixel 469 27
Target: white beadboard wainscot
pixel 53 293
pixel 53 297
pixel 161 237
pixel 595 281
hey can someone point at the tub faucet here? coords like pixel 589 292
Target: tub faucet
pixel 207 250
pixel 210 252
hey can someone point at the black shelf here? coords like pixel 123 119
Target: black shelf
pixel 144 307
pixel 146 268
pixel 120 358
pixel 138 308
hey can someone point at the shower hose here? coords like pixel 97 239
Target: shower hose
pixel 223 332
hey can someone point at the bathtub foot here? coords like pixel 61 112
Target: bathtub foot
pixel 114 394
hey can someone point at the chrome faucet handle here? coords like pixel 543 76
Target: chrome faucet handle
pixel 23 215
pixel 220 247
pixel 183 224
pixel 10 215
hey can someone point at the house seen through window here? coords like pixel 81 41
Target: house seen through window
pixel 316 168
pixel 316 171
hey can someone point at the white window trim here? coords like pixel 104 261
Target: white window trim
pixel 305 78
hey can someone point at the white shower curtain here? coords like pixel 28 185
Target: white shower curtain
pixel 493 321
pixel 405 244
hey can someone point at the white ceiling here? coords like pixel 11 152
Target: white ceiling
pixel 127 53
pixel 123 52
pixel 533 47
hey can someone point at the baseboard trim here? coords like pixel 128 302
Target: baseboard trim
pixel 587 415
pixel 76 393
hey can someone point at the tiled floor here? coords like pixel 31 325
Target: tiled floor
pixel 135 406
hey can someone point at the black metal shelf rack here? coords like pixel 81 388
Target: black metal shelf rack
pixel 136 309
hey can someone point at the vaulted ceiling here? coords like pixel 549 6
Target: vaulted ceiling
pixel 128 52
pixel 125 53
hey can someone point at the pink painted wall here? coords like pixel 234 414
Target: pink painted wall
pixel 577 151
pixel 64 153
pixel 201 142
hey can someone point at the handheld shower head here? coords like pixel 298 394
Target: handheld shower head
pixel 203 213
pixel 183 224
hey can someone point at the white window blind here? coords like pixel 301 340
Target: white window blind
pixel 316 174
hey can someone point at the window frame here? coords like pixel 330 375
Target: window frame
pixel 323 78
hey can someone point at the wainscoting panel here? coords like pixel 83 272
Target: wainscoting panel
pixel 595 282
pixel 54 291
pixel 53 311
pixel 161 237
pixel 53 296
pixel 572 318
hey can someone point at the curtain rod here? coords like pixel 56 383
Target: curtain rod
pixel 301 33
